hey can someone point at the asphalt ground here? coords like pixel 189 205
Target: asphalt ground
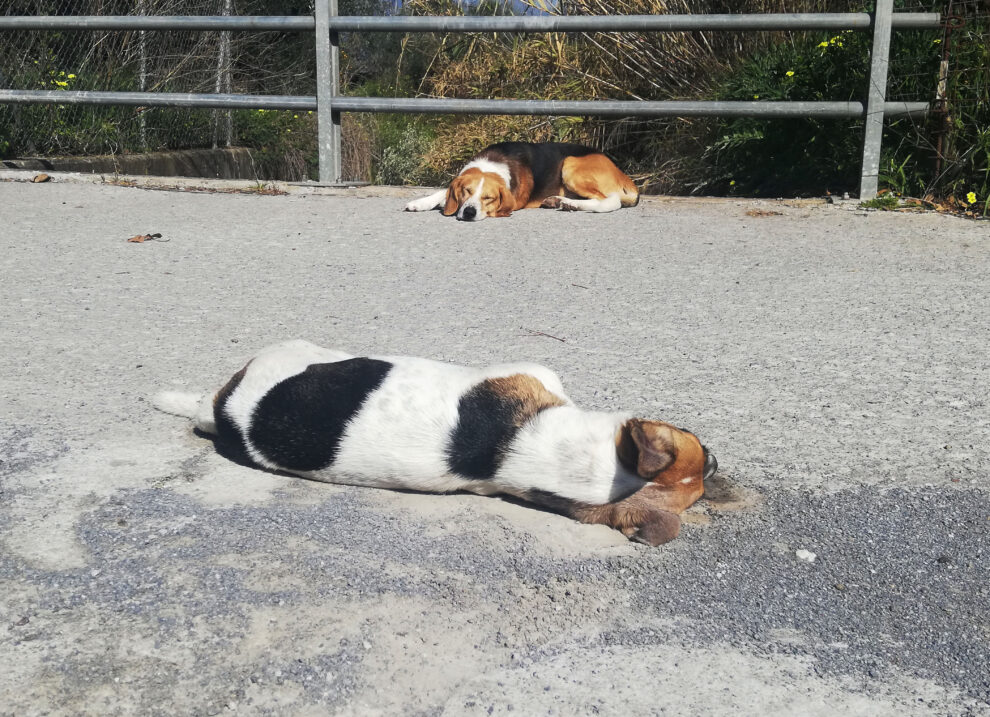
pixel 835 360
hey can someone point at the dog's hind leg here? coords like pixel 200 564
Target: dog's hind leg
pixel 434 201
pixel 593 184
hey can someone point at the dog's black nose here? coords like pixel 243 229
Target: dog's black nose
pixel 711 465
pixel 469 213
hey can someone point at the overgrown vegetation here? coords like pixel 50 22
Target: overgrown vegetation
pixel 885 201
pixel 811 156
pixel 754 157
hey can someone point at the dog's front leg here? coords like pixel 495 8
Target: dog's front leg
pixel 634 517
pixel 608 204
pixel 426 204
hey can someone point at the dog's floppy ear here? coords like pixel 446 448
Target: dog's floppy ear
pixel 452 204
pixel 645 447
pixel 506 202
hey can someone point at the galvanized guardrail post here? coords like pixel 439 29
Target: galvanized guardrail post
pixel 876 99
pixel 327 87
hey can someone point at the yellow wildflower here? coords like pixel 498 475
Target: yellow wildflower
pixel 756 97
pixel 823 44
pixel 789 73
pixel 971 198
pixel 732 182
pixel 71 77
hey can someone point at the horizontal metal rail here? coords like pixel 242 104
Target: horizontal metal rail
pixel 620 108
pixel 628 23
pixel 522 23
pixel 259 23
pixel 158 99
pixel 426 105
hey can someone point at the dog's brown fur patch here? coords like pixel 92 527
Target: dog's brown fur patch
pixel 670 458
pixel 224 393
pixel 595 176
pixel 521 193
pixel 527 395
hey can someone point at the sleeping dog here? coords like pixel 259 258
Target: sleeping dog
pixel 417 424
pixel 521 175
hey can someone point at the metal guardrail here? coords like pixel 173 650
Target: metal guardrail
pixel 329 104
pixel 503 23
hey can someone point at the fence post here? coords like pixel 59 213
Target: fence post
pixel 223 84
pixel 143 77
pixel 327 87
pixel 876 98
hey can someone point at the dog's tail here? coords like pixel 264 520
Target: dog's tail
pixel 197 406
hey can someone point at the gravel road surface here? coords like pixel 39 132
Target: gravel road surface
pixel 835 360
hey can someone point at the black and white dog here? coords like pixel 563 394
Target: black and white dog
pixel 417 424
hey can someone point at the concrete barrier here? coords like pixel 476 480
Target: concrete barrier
pixel 227 163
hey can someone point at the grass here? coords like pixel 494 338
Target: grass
pixel 885 202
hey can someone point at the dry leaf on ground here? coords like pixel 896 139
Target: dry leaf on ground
pixel 763 213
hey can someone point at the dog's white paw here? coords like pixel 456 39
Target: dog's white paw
pixel 421 205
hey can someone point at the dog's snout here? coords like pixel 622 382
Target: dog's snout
pixel 711 465
pixel 469 213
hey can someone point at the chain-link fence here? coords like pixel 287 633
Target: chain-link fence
pixel 962 109
pixel 950 69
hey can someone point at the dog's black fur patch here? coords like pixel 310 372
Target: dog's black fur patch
pixel 298 424
pixel 543 159
pixel 227 433
pixel 486 423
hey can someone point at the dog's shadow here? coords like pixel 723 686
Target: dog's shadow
pixel 235 452
pixel 723 494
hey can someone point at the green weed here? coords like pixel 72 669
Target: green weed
pixel 884 201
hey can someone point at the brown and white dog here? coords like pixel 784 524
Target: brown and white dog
pixel 522 175
pixel 416 424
